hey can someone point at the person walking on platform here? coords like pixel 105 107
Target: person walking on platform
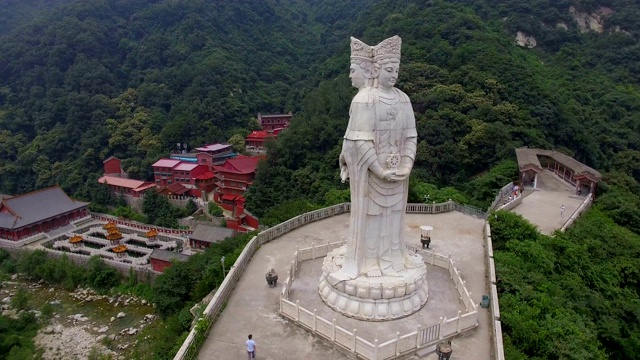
pixel 251 347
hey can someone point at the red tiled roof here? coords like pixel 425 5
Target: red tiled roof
pixel 166 163
pixel 244 165
pixel 136 185
pixel 185 166
pixel 213 147
pixel 259 135
pixel 110 158
pixel 206 176
pixel 229 197
pixel 177 188
pixel 276 115
pixel 240 165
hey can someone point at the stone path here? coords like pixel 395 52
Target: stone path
pixel 252 308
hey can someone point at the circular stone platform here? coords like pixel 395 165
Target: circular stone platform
pixel 378 298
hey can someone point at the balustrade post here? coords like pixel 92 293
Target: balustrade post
pixel 419 330
pixel 442 320
pixel 355 340
pixel 315 319
pixel 397 341
pixel 288 280
pixel 333 330
pixel 458 322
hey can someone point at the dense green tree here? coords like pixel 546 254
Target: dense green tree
pixel 237 143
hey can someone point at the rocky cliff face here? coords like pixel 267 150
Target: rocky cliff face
pixel 590 22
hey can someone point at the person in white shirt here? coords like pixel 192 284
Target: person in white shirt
pixel 251 347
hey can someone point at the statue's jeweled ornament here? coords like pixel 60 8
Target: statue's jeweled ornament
pixel 373 276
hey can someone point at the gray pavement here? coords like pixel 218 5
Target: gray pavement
pixel 252 308
pixel 542 208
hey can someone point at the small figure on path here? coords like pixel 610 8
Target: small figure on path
pixel 251 347
pixel 562 210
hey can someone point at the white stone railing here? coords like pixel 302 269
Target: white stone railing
pixel 495 324
pixel 509 205
pixel 122 267
pixel 81 221
pixel 584 206
pixel 362 348
pixel 503 192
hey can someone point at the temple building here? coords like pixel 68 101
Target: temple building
pixel 275 121
pixel 162 259
pixel 211 154
pixel 113 167
pixel 205 235
pixel 39 211
pixel 254 142
pixel 214 154
pixel 533 161
pixel 119 185
pixel 233 178
pixel 163 171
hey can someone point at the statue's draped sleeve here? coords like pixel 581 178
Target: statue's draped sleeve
pixel 359 153
pixel 361 116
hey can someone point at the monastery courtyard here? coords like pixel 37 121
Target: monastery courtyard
pixel 253 306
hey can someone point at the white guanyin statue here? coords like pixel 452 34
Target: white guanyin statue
pixel 373 276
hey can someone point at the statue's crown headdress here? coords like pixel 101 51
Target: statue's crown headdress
pixel 360 50
pixel 388 48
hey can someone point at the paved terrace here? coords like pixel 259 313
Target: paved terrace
pixel 253 306
pixel 542 208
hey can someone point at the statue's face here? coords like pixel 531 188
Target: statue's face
pixel 389 73
pixel 356 74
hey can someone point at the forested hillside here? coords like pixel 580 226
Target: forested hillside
pixel 477 96
pixel 132 78
pixel 80 81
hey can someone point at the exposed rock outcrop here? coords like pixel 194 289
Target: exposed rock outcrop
pixel 590 22
pixel 525 40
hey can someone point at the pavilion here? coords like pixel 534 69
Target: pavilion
pixel 533 161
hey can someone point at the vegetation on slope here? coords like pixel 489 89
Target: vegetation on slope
pixel 574 295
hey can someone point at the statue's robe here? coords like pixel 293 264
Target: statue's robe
pixel 379 126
